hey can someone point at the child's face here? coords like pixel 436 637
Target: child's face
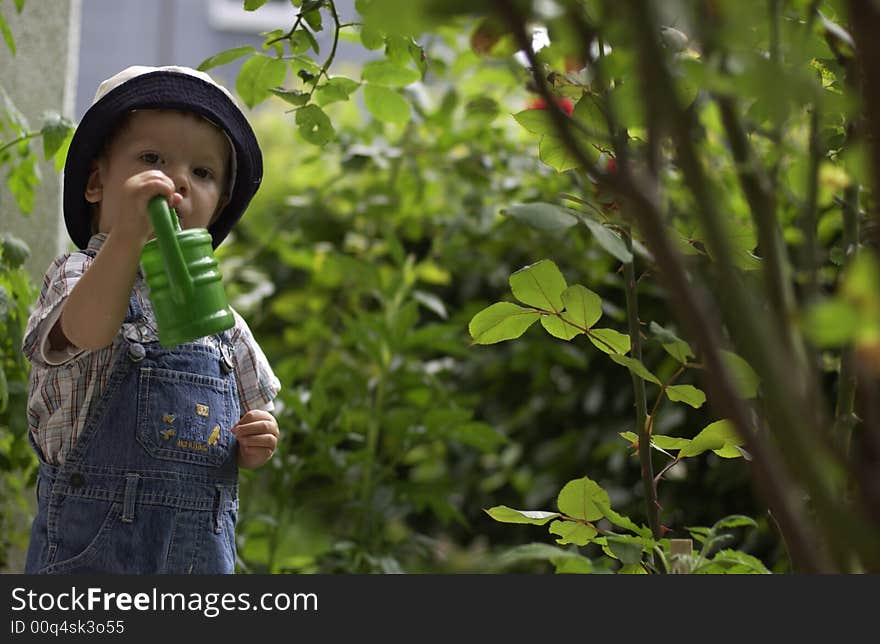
pixel 187 149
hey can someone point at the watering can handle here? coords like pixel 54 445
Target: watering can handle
pixel 166 226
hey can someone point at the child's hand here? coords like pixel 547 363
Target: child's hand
pixel 257 434
pixel 139 189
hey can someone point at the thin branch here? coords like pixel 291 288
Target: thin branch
pixel 694 314
pixel 635 339
pixel 805 453
pixel 21 139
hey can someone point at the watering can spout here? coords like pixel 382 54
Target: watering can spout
pixel 166 226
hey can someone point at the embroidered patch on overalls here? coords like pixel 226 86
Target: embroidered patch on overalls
pixel 201 410
pixel 169 418
pixel 168 433
pixel 215 436
pixel 192 445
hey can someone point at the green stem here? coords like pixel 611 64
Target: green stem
pixel 847 384
pixel 24 137
pixel 805 452
pixel 809 222
pixel 635 340
pixel 693 308
pixel 758 193
pixel 368 483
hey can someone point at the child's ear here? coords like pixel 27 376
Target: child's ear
pixel 95 185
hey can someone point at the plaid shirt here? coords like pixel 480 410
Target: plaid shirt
pixel 62 384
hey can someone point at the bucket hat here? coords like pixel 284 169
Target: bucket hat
pixel 169 87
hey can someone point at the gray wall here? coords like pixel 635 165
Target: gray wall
pixel 119 33
pixel 42 77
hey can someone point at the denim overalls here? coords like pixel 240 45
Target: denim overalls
pixel 151 485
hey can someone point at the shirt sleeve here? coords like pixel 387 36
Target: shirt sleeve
pixel 257 384
pixel 58 282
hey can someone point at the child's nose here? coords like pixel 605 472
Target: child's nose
pixel 181 180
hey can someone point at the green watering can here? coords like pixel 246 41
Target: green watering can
pixel 184 280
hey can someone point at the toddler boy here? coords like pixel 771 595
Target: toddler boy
pixel 139 445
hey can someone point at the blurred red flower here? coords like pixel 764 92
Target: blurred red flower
pixel 540 104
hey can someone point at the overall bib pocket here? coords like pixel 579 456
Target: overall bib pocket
pixel 185 417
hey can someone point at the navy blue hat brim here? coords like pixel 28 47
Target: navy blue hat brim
pixel 160 90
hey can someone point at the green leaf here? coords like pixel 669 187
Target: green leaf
pixel 292 96
pixel 635 366
pixel 580 499
pixel 687 394
pixel 669 442
pixel 371 38
pixel 734 521
pixel 431 302
pixel 15 253
pixel 257 75
pixel 632 569
pixel 501 321
pixel 23 180
pixel 729 451
pixel 312 16
pixel 385 73
pixel 482 436
pixel 739 562
pixel 560 326
pixel 225 57
pixel 672 344
pixel 624 522
pixel 553 151
pixel 715 436
pixel 609 341
pixel 632 437
pixel 607 239
pixel 540 215
pixel 55 130
pixel 60 155
pixel 338 88
pixel 573 565
pixel 314 125
pixel 504 514
pixel 253 5
pixel 662 334
pixel 579 534
pixel 583 306
pixel 536 551
pixel 832 322
pixel 744 377
pixel 540 285
pixel 536 121
pixel 7 34
pixel 309 37
pixel 625 548
pixel 385 104
pixel 588 112
pixel 681 351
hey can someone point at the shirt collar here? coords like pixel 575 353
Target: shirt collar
pixel 96 241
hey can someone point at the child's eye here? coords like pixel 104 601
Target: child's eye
pixel 150 157
pixel 203 173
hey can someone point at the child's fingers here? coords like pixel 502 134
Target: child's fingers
pixel 256 414
pixel 266 441
pixel 255 427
